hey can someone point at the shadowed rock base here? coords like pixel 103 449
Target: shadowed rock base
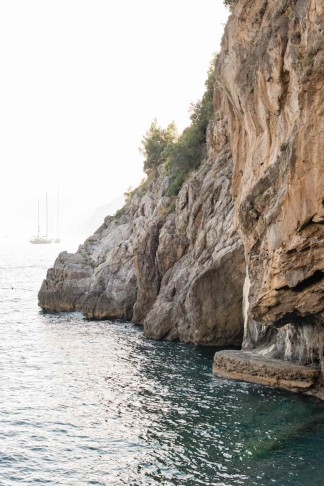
pixel 252 367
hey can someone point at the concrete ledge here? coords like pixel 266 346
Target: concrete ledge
pixel 255 368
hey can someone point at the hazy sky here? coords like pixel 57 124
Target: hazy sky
pixel 81 81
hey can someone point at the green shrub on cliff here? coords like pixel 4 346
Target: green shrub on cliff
pixel 187 152
pixel 230 3
pixel 154 144
pixel 180 154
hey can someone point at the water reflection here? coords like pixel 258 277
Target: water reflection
pixel 164 417
pixel 97 403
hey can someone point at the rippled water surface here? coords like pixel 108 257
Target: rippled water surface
pixel 96 403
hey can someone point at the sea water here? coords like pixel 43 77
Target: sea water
pixel 96 403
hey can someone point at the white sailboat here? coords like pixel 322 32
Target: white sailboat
pixel 41 240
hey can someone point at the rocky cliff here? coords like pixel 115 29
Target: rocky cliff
pixel 271 74
pixel 175 265
pixel 237 257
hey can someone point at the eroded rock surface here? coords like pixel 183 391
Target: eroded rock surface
pixel 271 73
pixel 202 262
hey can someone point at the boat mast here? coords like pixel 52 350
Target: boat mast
pixel 57 215
pixel 46 218
pixel 38 227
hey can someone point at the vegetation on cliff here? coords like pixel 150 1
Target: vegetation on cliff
pixel 230 3
pixel 180 154
pixel 177 155
pixel 155 145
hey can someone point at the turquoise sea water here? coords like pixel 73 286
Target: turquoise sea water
pixel 96 403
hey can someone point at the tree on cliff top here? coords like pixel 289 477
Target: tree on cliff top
pixel 188 151
pixel 154 144
pixel 180 154
pixel 230 3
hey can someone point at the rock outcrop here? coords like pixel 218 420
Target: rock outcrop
pixel 201 260
pixel 175 266
pixel 240 249
pixel 253 367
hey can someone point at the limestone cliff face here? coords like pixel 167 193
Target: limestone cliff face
pixel 270 76
pixel 245 234
pixel 201 262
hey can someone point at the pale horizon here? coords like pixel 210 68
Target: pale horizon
pixel 82 82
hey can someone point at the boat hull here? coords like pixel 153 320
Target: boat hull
pixel 40 241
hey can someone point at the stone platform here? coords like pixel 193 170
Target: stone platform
pixel 255 368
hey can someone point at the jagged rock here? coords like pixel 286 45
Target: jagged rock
pixel 66 284
pixel 177 269
pixel 200 300
pixel 99 279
